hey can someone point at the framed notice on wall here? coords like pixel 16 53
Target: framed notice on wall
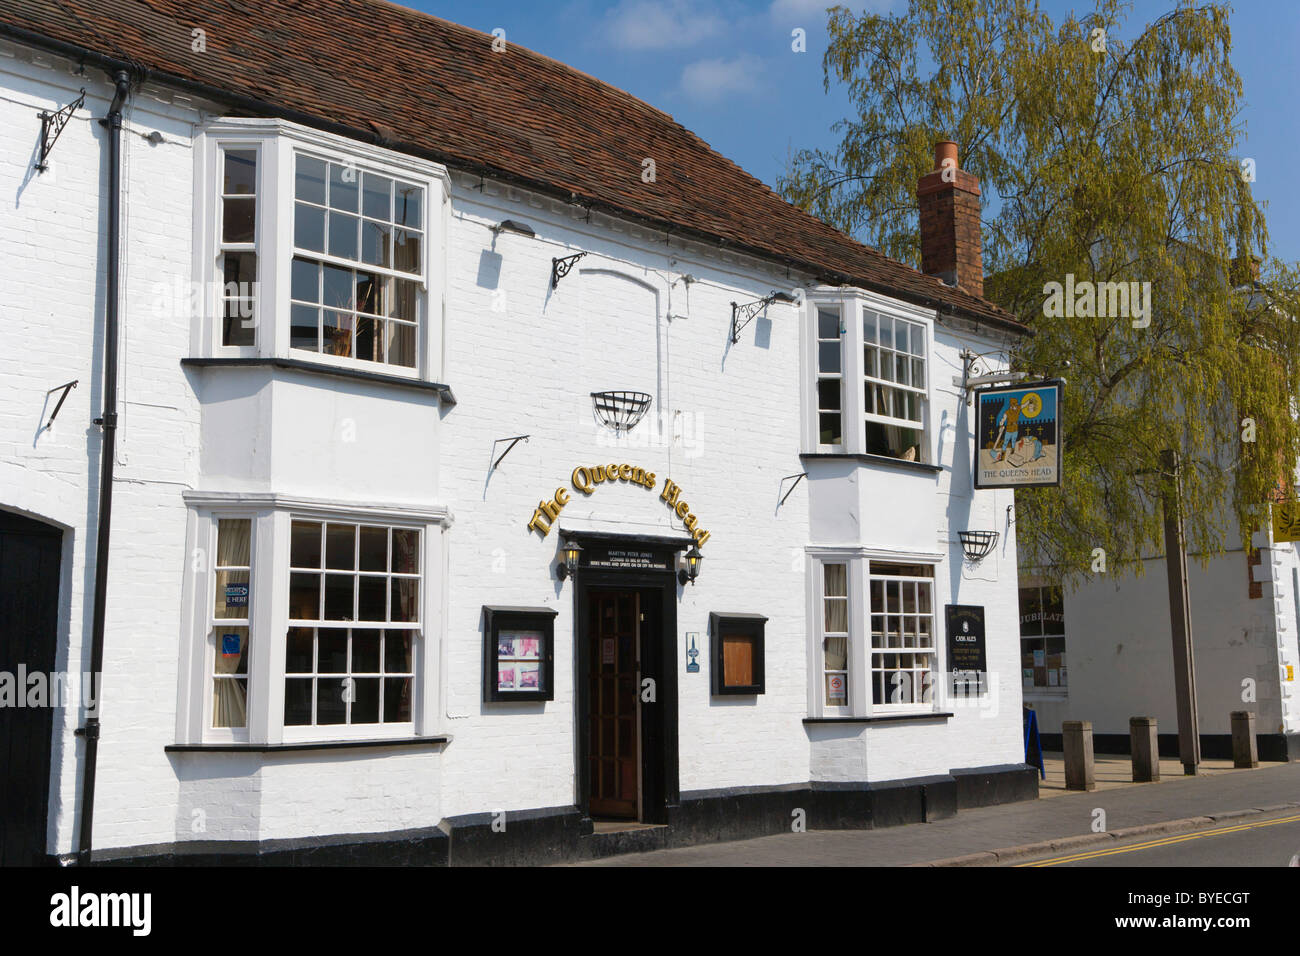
pixel 1018 436
pixel 967 656
pixel 518 653
pixel 738 653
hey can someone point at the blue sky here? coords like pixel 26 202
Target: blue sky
pixel 725 70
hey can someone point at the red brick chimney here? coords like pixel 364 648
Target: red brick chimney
pixel 950 222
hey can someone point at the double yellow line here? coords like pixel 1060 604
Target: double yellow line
pixel 1163 841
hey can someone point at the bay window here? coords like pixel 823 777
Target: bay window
pixel 868 378
pixel 309 626
pixel 874 649
pixel 317 248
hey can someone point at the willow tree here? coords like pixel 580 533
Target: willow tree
pixel 1108 152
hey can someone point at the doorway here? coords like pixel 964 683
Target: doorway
pixel 29 623
pixel 614 753
pixel 625 677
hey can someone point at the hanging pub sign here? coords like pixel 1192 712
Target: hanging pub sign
pixel 1018 436
pixel 967 658
pixel 1286 520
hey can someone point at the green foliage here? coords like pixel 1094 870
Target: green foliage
pixel 1113 159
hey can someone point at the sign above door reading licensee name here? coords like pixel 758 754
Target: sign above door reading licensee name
pixel 586 479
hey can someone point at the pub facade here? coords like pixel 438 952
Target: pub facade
pixel 463 494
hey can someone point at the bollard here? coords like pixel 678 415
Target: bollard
pixel 1245 753
pixel 1080 773
pixel 1145 748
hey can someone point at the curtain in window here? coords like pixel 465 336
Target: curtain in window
pixel 229 694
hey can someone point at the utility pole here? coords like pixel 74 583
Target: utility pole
pixel 1180 617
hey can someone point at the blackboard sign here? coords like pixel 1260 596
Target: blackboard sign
pixel 967 659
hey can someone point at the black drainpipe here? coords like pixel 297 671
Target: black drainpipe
pixel 113 122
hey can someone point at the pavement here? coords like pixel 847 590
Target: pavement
pixel 1060 821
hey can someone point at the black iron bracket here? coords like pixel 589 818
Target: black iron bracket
pixel 515 440
pixel 52 125
pixel 742 315
pixel 797 478
pixel 560 267
pixel 62 398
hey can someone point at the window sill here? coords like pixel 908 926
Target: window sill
pixel 884 718
pixel 308 745
pixel 872 460
pixel 298 365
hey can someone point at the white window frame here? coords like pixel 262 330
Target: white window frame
pixel 272 516
pixel 860 663
pixel 935 688
pixel 846 424
pixel 278 142
pixel 851 303
pixel 313 731
pixel 211 624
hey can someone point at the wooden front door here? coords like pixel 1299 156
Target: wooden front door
pixel 614 760
pixel 29 625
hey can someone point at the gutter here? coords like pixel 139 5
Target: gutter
pixel 108 449
pixel 267 108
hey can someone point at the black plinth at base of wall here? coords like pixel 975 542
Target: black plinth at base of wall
pixel 563 834
pixel 1273 748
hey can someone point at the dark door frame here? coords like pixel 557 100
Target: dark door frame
pixel 659 594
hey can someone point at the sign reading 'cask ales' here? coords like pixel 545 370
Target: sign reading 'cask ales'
pixel 967 657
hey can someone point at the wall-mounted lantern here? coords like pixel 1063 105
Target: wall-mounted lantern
pixel 512 225
pixel 688 574
pixel 571 554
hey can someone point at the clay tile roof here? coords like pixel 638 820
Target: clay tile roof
pixel 429 87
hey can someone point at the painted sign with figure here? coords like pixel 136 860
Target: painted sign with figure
pixel 1286 520
pixel 1018 436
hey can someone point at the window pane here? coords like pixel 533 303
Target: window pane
pixel 308 227
pixel 410 200
pixel 870 364
pixel 305 284
pixel 343 187
pixel 406 251
pixel 836 580
pixel 237 219
pixel 1053 602
pixel 338 597
pixel 829 431
pixel 365 700
pixel 406 603
pixel 401 344
pixel 406 557
pixel 232 595
pixel 369 340
pixel 298 650
pixel 304 597
pixel 374 549
pixel 304 328
pixel 297 702
pixel 332 648
pixel 828 357
pixel 371 594
pixel 918 373
pixel 397 652
pixel 338 287
pixel 917 340
pixel 377 197
pixel 233 544
pixel 343 235
pixel 340 547
pixel 828 324
pixel 397 700
pixel 365 652
pixel 331 708
pixel 828 394
pixel 375 243
pixel 868 327
pixel 405 300
pixel 369 293
pixel 837 653
pixel 309 180
pixel 1031 624
pixel 336 334
pixel 240 172
pixel 900 336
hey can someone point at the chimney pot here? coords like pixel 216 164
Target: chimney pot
pixel 945 149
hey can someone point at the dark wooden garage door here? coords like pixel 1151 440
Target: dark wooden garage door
pixel 29 615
